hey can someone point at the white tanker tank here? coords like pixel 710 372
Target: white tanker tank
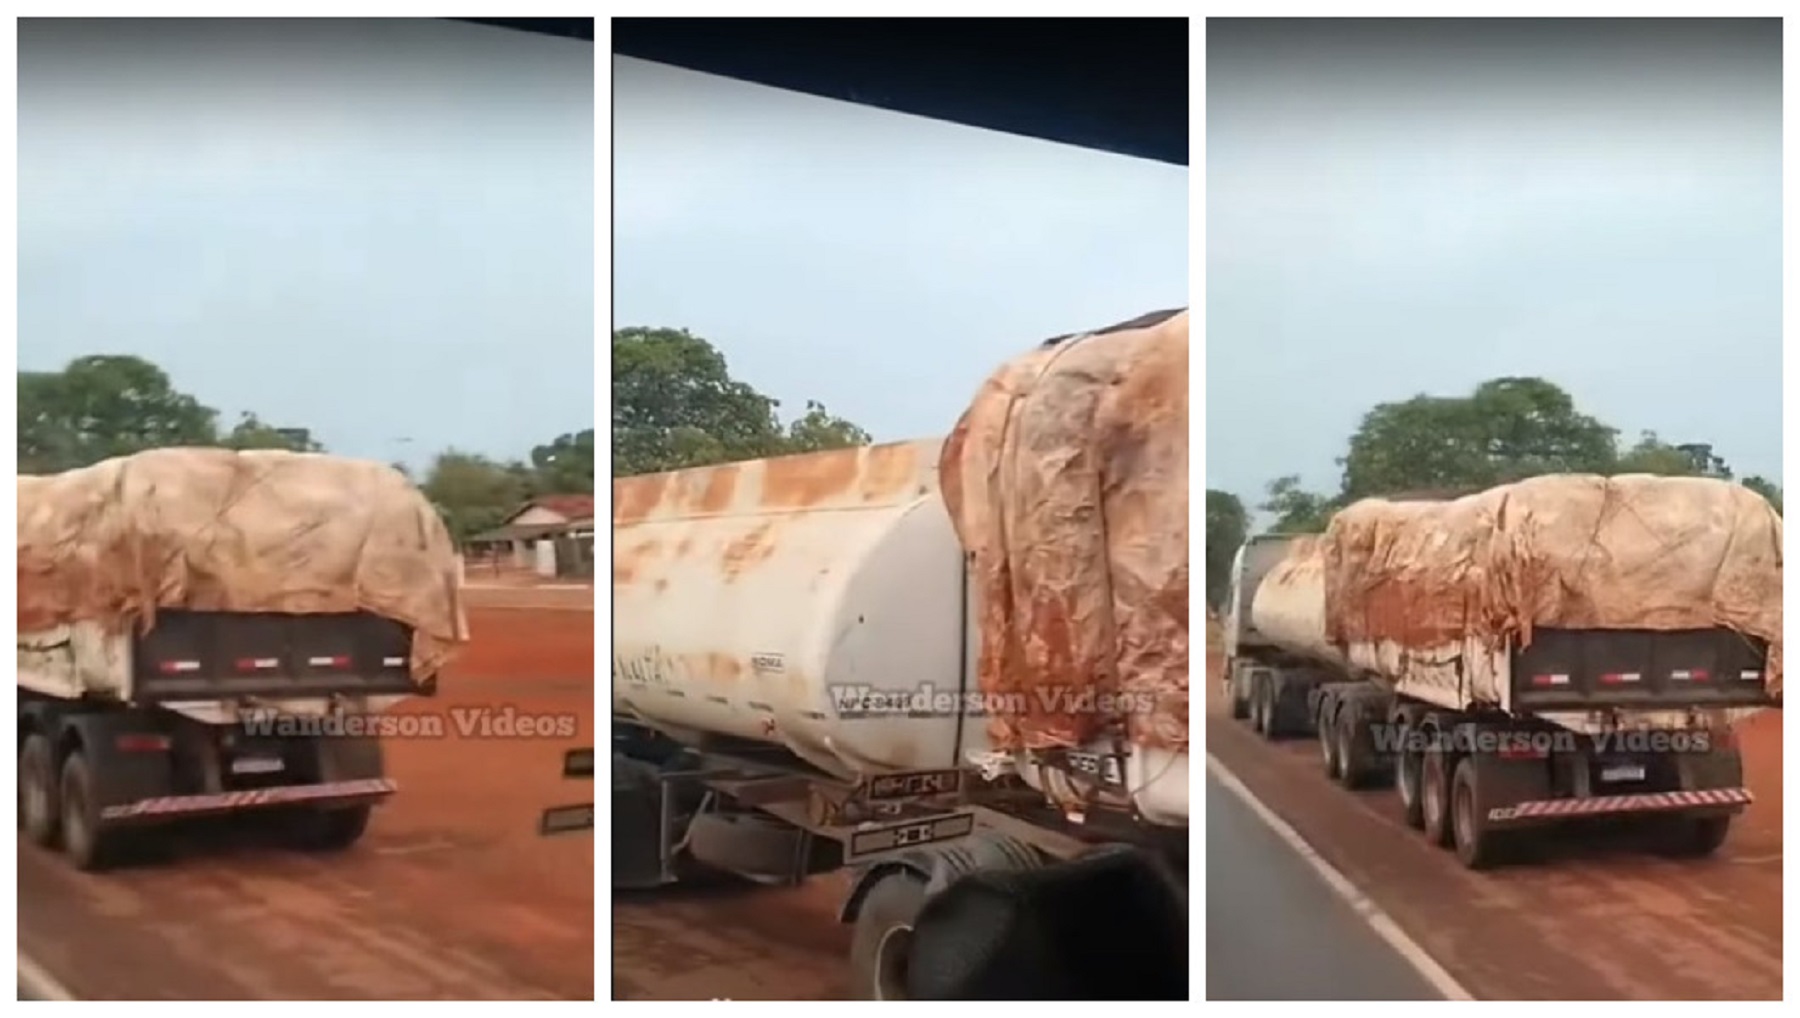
pixel 768 600
pixel 1287 606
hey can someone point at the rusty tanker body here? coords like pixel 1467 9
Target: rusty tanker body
pixel 917 659
pixel 771 601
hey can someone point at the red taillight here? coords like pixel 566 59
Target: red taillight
pixel 135 742
pixel 337 661
pixel 1522 753
pixel 1550 680
pixel 1620 678
pixel 177 667
pixel 257 664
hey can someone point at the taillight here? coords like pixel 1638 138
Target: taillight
pixel 177 667
pixel 337 661
pixel 138 742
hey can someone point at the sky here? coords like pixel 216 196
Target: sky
pixel 881 263
pixel 1397 209
pixel 381 230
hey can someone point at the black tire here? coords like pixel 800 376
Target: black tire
pixel 1407 764
pixel 330 830
pixel 1240 708
pixel 880 945
pixel 1265 698
pixel 1434 799
pixel 1694 837
pixel 40 799
pixel 1351 765
pixel 1477 843
pixel 1327 725
pixel 89 844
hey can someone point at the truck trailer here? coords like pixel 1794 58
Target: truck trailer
pixel 205 632
pixel 1547 652
pixel 845 659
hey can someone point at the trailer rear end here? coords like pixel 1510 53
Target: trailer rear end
pixel 1564 712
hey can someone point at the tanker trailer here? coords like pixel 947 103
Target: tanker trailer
pixel 1552 651
pixel 798 685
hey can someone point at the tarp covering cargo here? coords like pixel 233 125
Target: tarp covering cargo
pixel 217 530
pixel 1067 480
pixel 1564 551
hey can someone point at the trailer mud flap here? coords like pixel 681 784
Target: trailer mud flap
pixel 1603 805
pixel 895 837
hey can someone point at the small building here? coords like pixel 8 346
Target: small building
pixel 551 535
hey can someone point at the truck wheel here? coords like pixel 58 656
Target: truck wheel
pixel 40 807
pixel 1240 706
pixel 87 843
pixel 1351 765
pixel 1477 844
pixel 1694 837
pixel 881 946
pixel 1408 780
pixel 330 830
pixel 1327 729
pixel 1434 798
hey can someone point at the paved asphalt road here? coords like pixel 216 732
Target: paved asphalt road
pixel 1276 931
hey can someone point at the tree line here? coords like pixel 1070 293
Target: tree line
pixel 102 406
pixel 675 405
pixel 1506 430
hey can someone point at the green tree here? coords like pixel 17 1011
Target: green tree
pixel 103 406
pixel 1766 488
pixel 1227 524
pixel 817 429
pixel 1296 510
pixel 565 464
pixel 676 405
pixel 251 433
pixel 475 493
pixel 1507 429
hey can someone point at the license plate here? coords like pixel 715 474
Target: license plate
pixel 257 765
pixel 909 834
pixel 1623 772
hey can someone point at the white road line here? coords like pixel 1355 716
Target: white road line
pixel 1371 913
pixel 34 980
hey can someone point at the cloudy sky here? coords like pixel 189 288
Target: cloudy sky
pixel 881 263
pixel 382 230
pixel 1396 210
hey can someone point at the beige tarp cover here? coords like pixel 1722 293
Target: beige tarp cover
pixel 1565 551
pixel 1067 479
pixel 216 530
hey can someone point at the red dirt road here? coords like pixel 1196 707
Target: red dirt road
pixel 1594 918
pixel 733 941
pixel 451 895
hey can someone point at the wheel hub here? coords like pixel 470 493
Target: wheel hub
pixel 892 955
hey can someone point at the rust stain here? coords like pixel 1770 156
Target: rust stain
pixel 795 481
pixel 887 469
pixel 724 666
pixel 748 551
pixel 721 484
pixel 635 498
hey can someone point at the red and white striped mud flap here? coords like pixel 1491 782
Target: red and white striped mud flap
pixel 1654 802
pixel 329 793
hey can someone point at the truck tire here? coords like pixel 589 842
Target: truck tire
pixel 89 844
pixel 1477 843
pixel 1694 837
pixel 880 946
pixel 1264 694
pixel 1327 728
pixel 1352 762
pixel 1434 798
pixel 330 830
pixel 1407 778
pixel 1240 706
pixel 40 805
